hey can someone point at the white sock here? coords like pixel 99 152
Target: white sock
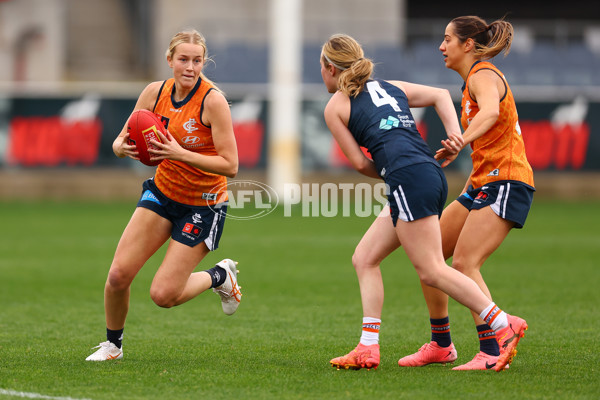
pixel 494 317
pixel 370 331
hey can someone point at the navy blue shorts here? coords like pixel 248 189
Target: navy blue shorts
pixel 510 200
pixel 416 192
pixel 191 224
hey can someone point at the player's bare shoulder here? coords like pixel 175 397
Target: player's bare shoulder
pixel 215 99
pixel 216 108
pixel 339 101
pixel 483 79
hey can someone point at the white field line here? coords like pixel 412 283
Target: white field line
pixel 28 395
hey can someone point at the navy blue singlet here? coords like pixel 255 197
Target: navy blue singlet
pixel 380 120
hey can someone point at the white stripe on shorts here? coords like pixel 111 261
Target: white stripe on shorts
pixel 209 241
pixel 499 206
pixel 404 212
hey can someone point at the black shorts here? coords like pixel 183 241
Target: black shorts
pixel 510 200
pixel 416 192
pixel 191 224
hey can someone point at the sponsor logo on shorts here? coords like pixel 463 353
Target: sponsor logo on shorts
pixel 209 196
pixel 482 196
pixel 191 231
pixel 149 196
pixel 197 218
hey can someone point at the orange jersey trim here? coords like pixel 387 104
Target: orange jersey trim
pixel 177 180
pixel 499 154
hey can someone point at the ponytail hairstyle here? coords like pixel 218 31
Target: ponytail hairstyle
pixel 490 40
pixel 194 37
pixel 346 54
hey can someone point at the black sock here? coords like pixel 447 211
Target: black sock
pixel 487 340
pixel 440 331
pixel 218 276
pixel 115 337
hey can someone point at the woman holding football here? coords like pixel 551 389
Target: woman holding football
pixel 185 202
pixel 376 114
pixel 498 194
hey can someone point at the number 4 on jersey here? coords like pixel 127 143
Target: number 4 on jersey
pixel 380 97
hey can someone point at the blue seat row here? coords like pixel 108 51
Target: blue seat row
pixel 421 62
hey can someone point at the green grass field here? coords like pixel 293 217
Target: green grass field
pixel 301 307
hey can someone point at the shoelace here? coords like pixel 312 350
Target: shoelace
pixel 424 347
pixel 235 291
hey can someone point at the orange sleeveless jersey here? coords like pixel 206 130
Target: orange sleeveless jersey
pixel 499 154
pixel 177 180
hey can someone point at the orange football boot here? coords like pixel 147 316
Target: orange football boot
pixel 361 357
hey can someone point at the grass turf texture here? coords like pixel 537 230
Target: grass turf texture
pixel 301 307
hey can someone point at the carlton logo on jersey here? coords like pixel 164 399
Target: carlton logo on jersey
pixel 190 126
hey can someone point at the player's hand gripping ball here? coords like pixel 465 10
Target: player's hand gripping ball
pixel 143 126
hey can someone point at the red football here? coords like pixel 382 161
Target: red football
pixel 143 126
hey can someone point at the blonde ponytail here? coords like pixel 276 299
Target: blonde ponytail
pixel 346 54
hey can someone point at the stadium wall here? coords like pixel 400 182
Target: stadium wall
pixel 60 147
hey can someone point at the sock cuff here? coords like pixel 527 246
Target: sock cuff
pixel 371 320
pixel 439 321
pixel 370 331
pixel 218 275
pixel 440 325
pixel 484 332
pixel 490 313
pixel 115 337
pixel 371 324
